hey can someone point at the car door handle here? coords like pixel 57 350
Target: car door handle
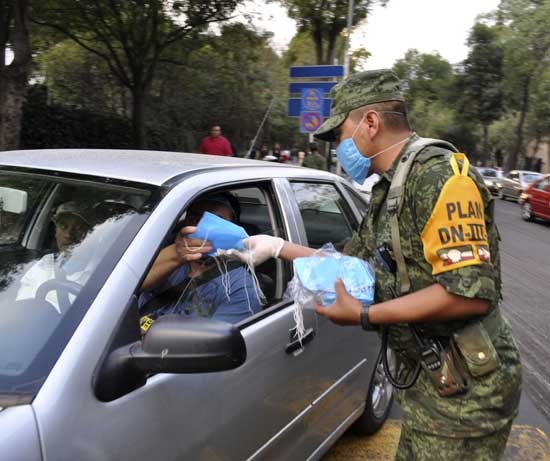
pixel 297 344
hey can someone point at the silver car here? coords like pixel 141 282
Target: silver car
pixel 76 380
pixel 515 182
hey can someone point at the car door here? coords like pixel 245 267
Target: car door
pixel 540 198
pixel 325 214
pixel 510 183
pixel 261 410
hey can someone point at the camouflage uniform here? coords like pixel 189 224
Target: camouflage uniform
pixel 476 423
pixel 316 161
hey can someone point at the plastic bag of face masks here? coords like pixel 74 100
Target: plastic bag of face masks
pixel 315 276
pixel 222 234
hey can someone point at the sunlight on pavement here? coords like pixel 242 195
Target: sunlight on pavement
pixel 526 443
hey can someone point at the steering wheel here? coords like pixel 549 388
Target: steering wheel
pixel 63 288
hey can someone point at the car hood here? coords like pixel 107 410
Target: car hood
pixel 19 434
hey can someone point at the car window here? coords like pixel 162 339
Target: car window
pixel 488 172
pixel 513 175
pixel 212 287
pixel 543 185
pixel 529 177
pixel 325 213
pixel 58 237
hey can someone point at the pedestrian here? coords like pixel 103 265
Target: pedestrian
pixel 432 239
pixel 215 143
pixel 314 159
pixel 276 151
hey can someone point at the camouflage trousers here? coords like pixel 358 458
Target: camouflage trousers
pixel 419 446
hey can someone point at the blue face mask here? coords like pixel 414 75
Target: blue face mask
pixel 353 162
pixel 222 234
pixel 318 274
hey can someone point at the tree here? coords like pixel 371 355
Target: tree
pixel 325 20
pixel 131 36
pixel 480 84
pixel 526 53
pixel 14 76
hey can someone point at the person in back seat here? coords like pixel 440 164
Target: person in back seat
pixel 183 280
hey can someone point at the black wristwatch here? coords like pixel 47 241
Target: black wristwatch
pixel 365 324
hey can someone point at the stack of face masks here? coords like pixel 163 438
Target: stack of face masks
pixel 315 276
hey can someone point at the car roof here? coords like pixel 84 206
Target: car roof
pixel 145 166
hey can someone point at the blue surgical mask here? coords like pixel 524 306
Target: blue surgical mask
pixel 353 162
pixel 222 234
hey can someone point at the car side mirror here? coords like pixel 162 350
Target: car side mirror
pixel 173 344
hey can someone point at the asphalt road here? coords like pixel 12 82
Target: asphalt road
pixel 525 264
pixel 525 260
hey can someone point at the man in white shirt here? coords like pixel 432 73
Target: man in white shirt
pixel 71 227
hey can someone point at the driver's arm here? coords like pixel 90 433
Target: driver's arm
pixel 183 251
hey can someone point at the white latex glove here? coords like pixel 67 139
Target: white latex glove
pixel 258 248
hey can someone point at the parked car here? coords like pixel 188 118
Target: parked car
pixel 77 382
pixel 515 182
pixel 366 188
pixel 492 178
pixel 535 201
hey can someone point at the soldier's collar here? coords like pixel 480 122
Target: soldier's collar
pixel 388 175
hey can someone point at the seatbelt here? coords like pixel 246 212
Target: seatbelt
pixel 395 199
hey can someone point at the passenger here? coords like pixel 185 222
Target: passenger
pixel 72 224
pixel 183 280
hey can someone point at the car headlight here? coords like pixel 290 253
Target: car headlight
pixel 523 196
pixel 488 182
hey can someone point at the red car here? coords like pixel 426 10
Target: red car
pixel 535 200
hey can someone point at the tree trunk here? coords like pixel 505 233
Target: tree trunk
pixel 317 36
pixel 14 79
pixel 138 117
pixel 485 146
pixel 512 160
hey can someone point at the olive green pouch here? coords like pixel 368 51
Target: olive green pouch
pixel 451 378
pixel 476 347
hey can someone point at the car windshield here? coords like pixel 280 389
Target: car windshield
pixel 488 172
pixel 59 240
pixel 531 177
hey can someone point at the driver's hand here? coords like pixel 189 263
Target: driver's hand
pixel 190 249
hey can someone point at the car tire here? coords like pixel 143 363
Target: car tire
pixel 379 400
pixel 526 211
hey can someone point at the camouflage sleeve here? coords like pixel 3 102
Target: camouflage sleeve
pixel 354 246
pixel 478 278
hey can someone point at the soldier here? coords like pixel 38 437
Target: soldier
pixel 314 159
pixel 431 236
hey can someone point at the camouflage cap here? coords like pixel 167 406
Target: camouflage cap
pixel 359 90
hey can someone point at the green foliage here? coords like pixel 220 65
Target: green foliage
pixel 131 36
pixel 325 20
pixel 427 77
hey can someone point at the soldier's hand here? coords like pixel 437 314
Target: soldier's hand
pixel 190 249
pixel 345 310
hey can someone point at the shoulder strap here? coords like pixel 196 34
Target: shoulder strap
pixel 395 199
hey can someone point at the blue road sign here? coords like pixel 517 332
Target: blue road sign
pixel 295 107
pixel 317 71
pixel 312 99
pixel 310 121
pixel 298 87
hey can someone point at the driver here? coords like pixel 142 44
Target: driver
pixel 71 226
pixel 183 280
